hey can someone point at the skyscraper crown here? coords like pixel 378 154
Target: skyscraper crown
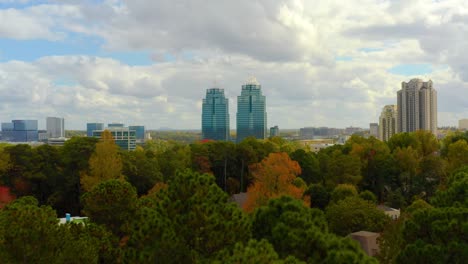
pixel 252 81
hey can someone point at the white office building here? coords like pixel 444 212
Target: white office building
pixel 55 127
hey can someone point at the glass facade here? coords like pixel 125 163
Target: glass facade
pixel 251 112
pixel 139 132
pixel 215 115
pixel 20 131
pixel 115 125
pixel 274 131
pixel 90 127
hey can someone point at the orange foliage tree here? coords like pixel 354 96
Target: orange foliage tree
pixel 274 176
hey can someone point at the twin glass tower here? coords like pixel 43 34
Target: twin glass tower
pixel 251 113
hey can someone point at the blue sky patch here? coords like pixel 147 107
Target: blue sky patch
pixel 20 4
pixel 31 50
pixel 132 58
pixel 343 58
pixel 74 44
pixel 411 69
pixel 65 82
pixel 368 50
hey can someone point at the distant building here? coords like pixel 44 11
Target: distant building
pixel 139 132
pixel 55 127
pixel 388 122
pixel 316 147
pixel 215 115
pixel 251 111
pixel 306 133
pixel 90 127
pixel 352 130
pixel 239 198
pixel 57 141
pixel 115 125
pixel 367 240
pixel 374 130
pixel 341 140
pixel 124 137
pixel 319 132
pixel 274 131
pixel 42 135
pixel 417 107
pixel 390 212
pixel 463 124
pixel 20 131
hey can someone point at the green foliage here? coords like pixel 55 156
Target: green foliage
pixel 377 165
pixel 452 138
pixel 141 169
pixel 456 193
pixel 457 155
pixel 175 157
pixel 21 170
pixel 191 219
pixel 255 252
pixel 154 239
pixel 402 140
pixel 283 145
pixel 176 135
pixel 309 166
pixel 418 204
pixel 342 168
pixel 111 203
pixel 31 234
pixel 343 191
pixel 75 156
pixel 437 235
pixel 395 199
pixel 319 196
pixel 368 196
pixel 355 214
pixel 296 230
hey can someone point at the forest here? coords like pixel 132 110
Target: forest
pixel 170 202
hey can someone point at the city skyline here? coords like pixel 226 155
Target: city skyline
pixel 322 63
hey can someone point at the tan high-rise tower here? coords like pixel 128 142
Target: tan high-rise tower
pixel 417 106
pixel 388 122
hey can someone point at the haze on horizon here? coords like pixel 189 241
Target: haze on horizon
pixel 149 62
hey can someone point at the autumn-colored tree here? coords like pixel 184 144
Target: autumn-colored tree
pixel 457 155
pixel 274 176
pixel 105 163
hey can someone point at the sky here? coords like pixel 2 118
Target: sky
pixel 149 62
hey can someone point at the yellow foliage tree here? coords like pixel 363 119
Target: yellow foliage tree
pixel 104 164
pixel 274 176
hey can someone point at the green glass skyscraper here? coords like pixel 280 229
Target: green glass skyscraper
pixel 251 111
pixel 215 115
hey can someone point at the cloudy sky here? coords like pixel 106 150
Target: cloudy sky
pixel 320 63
